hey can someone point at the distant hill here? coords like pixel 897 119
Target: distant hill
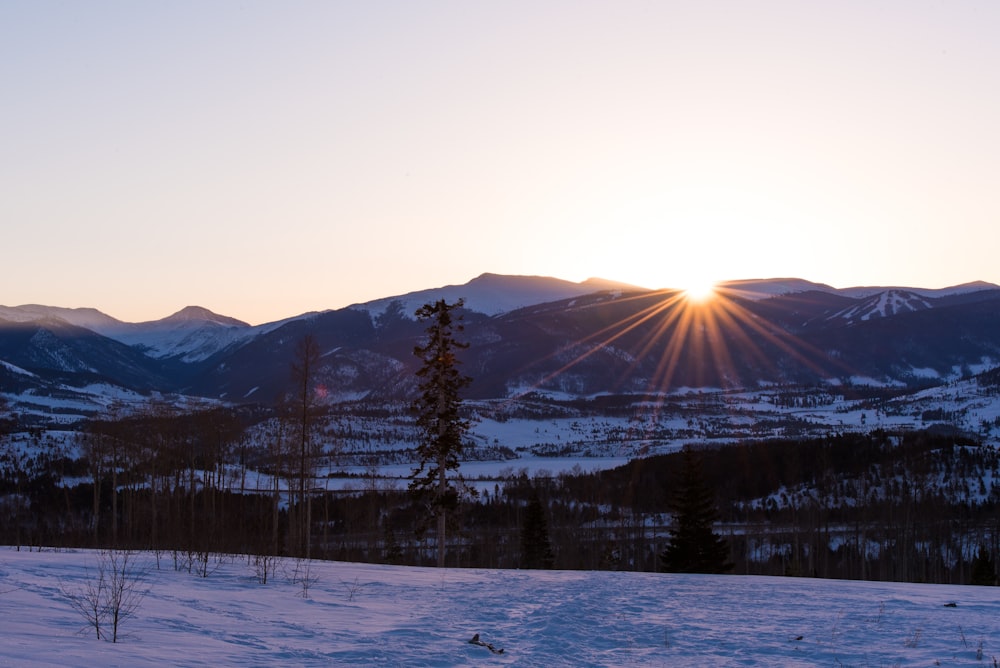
pixel 526 333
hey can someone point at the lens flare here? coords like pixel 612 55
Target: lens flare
pixel 668 340
pixel 699 292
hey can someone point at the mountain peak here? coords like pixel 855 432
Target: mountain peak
pixel 201 314
pixel 493 294
pixel 89 318
pixel 762 288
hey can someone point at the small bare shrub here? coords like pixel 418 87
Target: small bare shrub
pixel 352 588
pixel 264 566
pixel 110 595
pixel 303 576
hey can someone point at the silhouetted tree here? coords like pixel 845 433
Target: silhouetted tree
pixel 694 546
pixel 304 368
pixel 536 551
pixel 983 570
pixel 6 418
pixel 437 410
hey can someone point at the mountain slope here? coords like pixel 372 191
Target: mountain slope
pixel 88 318
pixel 58 351
pixel 565 337
pixel 190 335
pixel 493 294
pixel 885 304
pixel 647 341
pixel 763 288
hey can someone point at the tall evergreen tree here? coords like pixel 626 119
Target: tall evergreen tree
pixel 983 570
pixel 536 550
pixel 437 409
pixel 694 546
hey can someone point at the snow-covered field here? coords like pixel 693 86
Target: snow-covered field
pixel 370 615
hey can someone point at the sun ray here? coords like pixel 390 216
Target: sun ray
pixel 615 331
pixel 713 341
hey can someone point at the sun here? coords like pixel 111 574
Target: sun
pixel 700 291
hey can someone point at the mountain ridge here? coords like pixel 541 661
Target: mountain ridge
pixel 545 286
pixel 582 342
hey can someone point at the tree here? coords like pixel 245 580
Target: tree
pixel 112 595
pixel 6 418
pixel 983 570
pixel 437 408
pixel 304 368
pixel 694 546
pixel 536 550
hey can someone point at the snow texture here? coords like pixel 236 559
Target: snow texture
pixel 371 615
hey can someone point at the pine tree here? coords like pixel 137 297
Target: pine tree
pixel 536 550
pixel 983 570
pixel 438 414
pixel 694 546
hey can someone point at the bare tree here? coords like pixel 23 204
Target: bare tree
pixel 125 587
pixel 88 598
pixel 304 368
pixel 111 595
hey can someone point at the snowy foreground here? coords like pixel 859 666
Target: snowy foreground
pixel 368 615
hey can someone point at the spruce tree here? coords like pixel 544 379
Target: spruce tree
pixel 536 550
pixel 983 570
pixel 437 409
pixel 694 546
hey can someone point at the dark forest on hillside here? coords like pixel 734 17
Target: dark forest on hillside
pixel 914 506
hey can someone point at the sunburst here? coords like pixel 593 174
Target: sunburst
pixel 703 335
pixel 699 292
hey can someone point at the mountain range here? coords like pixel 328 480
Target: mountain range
pixel 526 334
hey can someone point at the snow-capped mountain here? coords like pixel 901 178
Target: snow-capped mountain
pixel 885 304
pixel 494 294
pixel 190 335
pixel 89 318
pixel 963 289
pixel 764 288
pixel 526 333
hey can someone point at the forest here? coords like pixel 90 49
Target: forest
pixel 919 506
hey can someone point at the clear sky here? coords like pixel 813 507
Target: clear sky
pixel 263 159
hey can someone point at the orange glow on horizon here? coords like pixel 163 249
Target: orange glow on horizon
pixel 690 341
pixel 700 292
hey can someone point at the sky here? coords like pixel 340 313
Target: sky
pixel 266 159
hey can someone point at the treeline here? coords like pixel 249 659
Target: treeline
pixel 915 506
pixel 912 506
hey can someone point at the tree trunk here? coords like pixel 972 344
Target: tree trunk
pixel 442 512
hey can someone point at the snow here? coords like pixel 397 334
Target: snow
pixel 891 297
pixel 762 288
pixel 493 294
pixel 89 318
pixel 16 369
pixel 480 475
pixel 964 288
pixel 373 615
pixel 192 334
pixel 883 305
pixel 188 340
